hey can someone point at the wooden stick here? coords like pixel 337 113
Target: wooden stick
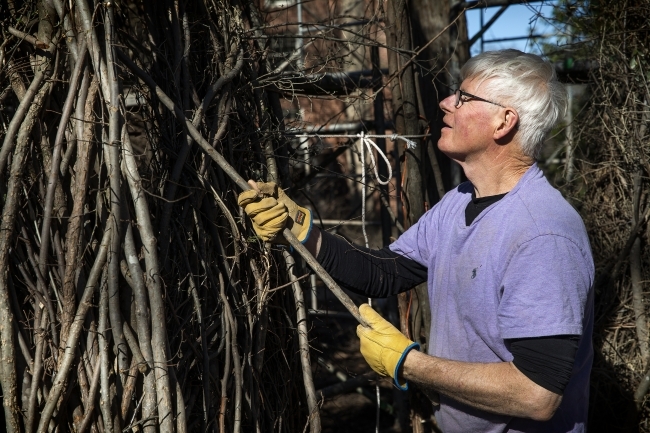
pixel 303 341
pixel 28 38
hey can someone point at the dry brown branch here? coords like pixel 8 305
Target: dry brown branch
pixel 301 320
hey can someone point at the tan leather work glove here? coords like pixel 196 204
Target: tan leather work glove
pixel 272 210
pixel 382 345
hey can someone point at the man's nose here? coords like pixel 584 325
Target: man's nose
pixel 447 104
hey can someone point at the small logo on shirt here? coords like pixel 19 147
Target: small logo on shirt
pixel 474 271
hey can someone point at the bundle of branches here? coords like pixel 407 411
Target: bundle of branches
pixel 132 296
pixel 613 193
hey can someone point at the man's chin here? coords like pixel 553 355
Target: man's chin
pixel 451 154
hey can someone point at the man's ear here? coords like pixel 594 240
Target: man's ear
pixel 508 124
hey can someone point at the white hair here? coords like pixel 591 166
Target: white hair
pixel 525 82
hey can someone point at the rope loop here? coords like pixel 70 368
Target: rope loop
pixel 364 140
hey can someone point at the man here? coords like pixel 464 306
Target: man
pixel 506 259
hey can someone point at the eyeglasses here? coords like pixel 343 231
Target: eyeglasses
pixel 459 100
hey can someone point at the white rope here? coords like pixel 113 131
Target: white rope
pixel 410 144
pixel 369 144
pixel 365 139
pixel 366 143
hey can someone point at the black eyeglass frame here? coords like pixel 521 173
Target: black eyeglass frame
pixel 459 102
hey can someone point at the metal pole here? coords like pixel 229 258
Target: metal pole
pixel 380 129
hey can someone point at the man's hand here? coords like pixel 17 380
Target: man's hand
pixel 271 210
pixel 382 345
pixel 269 217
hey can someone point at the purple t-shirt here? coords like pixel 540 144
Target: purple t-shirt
pixel 523 268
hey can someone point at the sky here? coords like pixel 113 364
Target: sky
pixel 516 21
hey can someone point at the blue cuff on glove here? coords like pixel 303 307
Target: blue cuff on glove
pixel 311 224
pixel 399 365
pixel 304 241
